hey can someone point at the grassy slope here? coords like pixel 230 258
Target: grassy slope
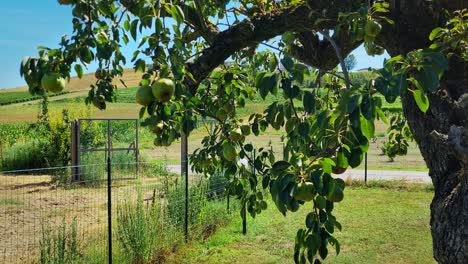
pixel 379 226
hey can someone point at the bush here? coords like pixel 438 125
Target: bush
pixel 59 246
pixel 362 77
pixel 28 155
pixel 176 203
pixel 45 143
pixel 142 232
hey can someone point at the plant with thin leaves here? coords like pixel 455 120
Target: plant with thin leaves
pixel 59 246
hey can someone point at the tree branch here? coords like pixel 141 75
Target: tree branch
pixel 340 57
pixel 299 18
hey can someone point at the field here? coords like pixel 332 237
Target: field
pixel 126 108
pixel 30 201
pixel 386 223
pixel 7 98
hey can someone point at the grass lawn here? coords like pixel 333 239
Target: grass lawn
pixel 388 223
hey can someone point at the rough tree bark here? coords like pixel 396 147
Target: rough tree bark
pixel 441 133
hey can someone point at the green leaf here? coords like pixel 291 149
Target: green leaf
pixel 309 102
pixel 177 14
pixel 428 78
pixel 341 160
pixel 280 166
pixel 288 63
pixel 421 100
pixel 381 115
pixel 304 129
pixel 353 102
pixel 140 65
pixel 367 127
pixel 267 82
pixel 435 33
pixel 127 25
pixel 133 29
pixel 142 112
pixel 79 70
pixel 159 26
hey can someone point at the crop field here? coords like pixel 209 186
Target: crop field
pixel 7 98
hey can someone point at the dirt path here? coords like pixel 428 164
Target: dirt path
pixel 408 176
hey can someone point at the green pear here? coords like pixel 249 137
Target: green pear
pixel 53 82
pixel 163 89
pixel 144 95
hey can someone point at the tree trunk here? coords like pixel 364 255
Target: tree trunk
pixel 441 132
pixel 435 133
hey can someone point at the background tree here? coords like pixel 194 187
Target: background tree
pixel 350 62
pixel 327 128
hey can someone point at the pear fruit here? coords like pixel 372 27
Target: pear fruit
pixel 144 95
pixel 53 82
pixel 163 89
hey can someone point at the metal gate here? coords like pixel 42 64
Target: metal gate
pixel 77 149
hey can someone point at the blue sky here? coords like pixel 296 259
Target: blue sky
pixel 27 24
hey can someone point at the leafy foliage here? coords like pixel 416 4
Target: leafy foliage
pixel 327 123
pixel 398 136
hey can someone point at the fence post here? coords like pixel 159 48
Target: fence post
pixel 227 200
pixel 365 168
pixel 109 208
pixel 244 219
pixel 74 151
pixel 228 193
pixel 184 172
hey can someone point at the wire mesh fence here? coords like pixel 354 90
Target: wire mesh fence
pixel 45 217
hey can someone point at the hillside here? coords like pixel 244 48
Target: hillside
pixel 130 77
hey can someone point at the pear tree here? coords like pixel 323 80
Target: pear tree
pixel 212 56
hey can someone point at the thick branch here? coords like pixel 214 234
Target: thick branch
pixel 321 54
pixel 251 32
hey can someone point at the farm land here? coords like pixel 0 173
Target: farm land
pixel 26 200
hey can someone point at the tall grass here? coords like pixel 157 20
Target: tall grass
pixel 28 155
pixel 142 231
pixel 59 246
pixel 149 233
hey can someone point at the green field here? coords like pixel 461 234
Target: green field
pixel 387 223
pixel 7 98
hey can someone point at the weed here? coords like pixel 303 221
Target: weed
pixel 59 246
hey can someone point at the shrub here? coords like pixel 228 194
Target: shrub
pixel 59 246
pixel 28 155
pixel 176 203
pixel 212 216
pixel 142 232
pixel 362 77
